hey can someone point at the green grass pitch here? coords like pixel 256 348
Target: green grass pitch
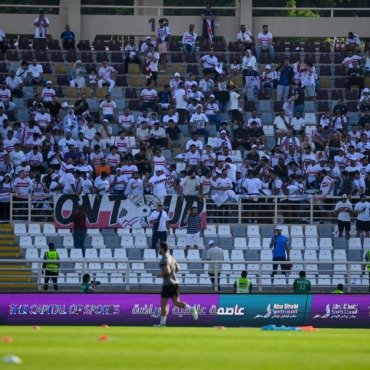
pixel 148 348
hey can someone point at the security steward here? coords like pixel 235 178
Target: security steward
pixel 243 285
pixel 51 268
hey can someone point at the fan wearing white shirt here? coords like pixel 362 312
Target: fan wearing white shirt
pixel 209 63
pixel 181 99
pixel 158 183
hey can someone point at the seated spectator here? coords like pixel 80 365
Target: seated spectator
pixel 72 154
pixel 98 141
pixel 175 138
pixel 206 85
pixel 106 74
pixel 105 131
pixel 188 40
pixel 364 101
pixel 265 43
pixel 298 124
pixel 157 136
pixel 212 111
pixel 47 93
pixel 54 108
pixel 252 80
pixel 76 70
pixel 42 119
pixel 195 94
pixel 341 105
pixel 353 42
pixel 35 74
pixel 141 161
pixel 240 137
pixel 355 76
pixel 3 43
pixel 148 97
pixel 245 39
pixel 126 122
pixel 281 126
pixel 350 58
pixel 257 135
pixel 34 159
pixel 248 58
pixel 164 99
pixel 209 63
pixel 198 123
pixel 194 140
pixel 68 39
pixel 22 72
pixel 235 68
pixel 108 109
pixel 132 54
pixel 14 84
pixel 143 135
pixel 70 122
pixel 145 45
pixel 5 97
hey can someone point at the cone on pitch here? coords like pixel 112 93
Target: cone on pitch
pixel 104 326
pixel 103 338
pixel 35 327
pixel 7 340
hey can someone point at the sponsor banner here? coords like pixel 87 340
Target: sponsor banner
pixel 341 311
pixel 232 310
pixel 260 310
pixel 113 210
pixel 97 309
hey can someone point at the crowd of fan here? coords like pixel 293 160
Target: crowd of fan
pixel 77 153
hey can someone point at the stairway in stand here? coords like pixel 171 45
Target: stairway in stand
pixel 14 277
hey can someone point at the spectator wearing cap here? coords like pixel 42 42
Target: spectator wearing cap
pixel 188 40
pixel 212 111
pixel 268 78
pixel 280 251
pixel 35 74
pixel 145 45
pixel 5 97
pixel 132 53
pixel 216 256
pixel 353 42
pixel 175 82
pixel 209 63
pixel 68 39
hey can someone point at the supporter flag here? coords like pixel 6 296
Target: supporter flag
pixel 148 70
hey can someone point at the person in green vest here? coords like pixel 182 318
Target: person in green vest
pixel 301 285
pixel 88 286
pixel 243 285
pixel 50 267
pixel 339 289
pixel 367 259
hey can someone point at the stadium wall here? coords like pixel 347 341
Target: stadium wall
pixel 232 310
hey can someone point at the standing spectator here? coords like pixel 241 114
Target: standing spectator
pixel 302 285
pixel 161 226
pixel 153 57
pixel 14 84
pixel 208 18
pixel 79 229
pixel 163 38
pixel 286 78
pixel 216 256
pixel 281 251
pixel 243 285
pixel 51 268
pixel 41 32
pixel 107 74
pixel 297 96
pixel 181 100
pixel 344 210
pixel 68 39
pixel 362 209
pixel 188 40
pixel 194 226
pixel 265 43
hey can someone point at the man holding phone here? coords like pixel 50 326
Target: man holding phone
pixel 280 251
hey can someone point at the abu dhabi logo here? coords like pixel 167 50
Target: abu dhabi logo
pixel 339 311
pixel 280 311
pixel 268 313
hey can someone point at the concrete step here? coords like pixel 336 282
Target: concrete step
pixel 11 287
pixel 10 255
pixel 4 242
pixel 16 279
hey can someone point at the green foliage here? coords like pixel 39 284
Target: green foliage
pixel 299 13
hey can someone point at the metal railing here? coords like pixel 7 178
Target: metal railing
pixel 242 210
pixel 195 277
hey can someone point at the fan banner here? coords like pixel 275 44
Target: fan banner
pixel 119 211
